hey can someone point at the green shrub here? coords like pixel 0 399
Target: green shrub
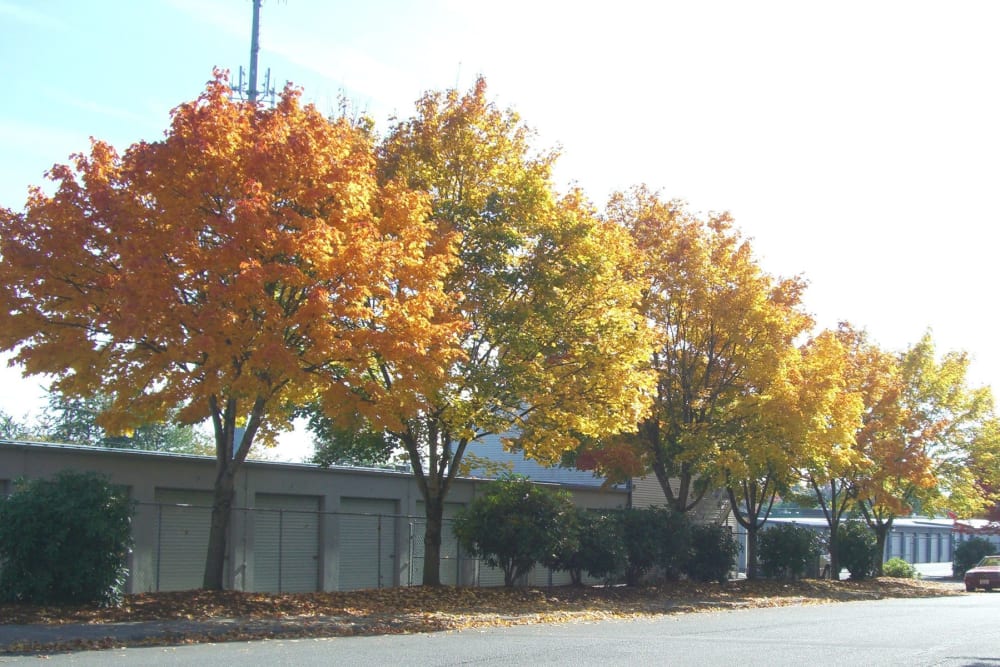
pixel 65 540
pixel 713 553
pixel 970 552
pixel 599 552
pixel 642 532
pixel 857 549
pixel 516 524
pixel 654 537
pixel 897 567
pixel 786 551
pixel 675 543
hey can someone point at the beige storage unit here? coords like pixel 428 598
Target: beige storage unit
pixel 286 542
pixel 184 518
pixel 367 543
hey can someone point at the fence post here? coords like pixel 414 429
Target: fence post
pixel 458 563
pixel 159 541
pixel 281 546
pixel 409 555
pixel 378 550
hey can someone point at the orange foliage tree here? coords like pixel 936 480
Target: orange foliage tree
pixel 924 441
pixel 247 263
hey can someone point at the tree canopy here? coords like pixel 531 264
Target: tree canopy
pixel 554 347
pixel 417 292
pixel 724 328
pixel 247 263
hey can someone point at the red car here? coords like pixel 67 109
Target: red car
pixel 985 575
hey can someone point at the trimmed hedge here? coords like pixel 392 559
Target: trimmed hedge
pixel 857 549
pixel 516 524
pixel 786 551
pixel 713 553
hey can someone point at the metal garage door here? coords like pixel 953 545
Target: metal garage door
pixel 543 576
pixel 367 543
pixel 286 543
pixel 184 519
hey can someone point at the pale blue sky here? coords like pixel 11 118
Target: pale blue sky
pixel 858 142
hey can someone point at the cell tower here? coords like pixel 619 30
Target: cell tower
pixel 248 91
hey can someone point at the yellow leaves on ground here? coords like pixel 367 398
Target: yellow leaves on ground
pixel 412 605
pixel 199 616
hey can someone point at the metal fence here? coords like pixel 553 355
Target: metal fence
pixel 912 544
pixel 283 550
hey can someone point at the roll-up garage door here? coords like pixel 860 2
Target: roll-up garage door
pixel 367 543
pixel 543 576
pixel 286 543
pixel 185 518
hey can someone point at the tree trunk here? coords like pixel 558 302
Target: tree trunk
pixel 752 531
pixel 434 480
pixel 834 557
pixel 881 533
pixel 432 540
pixel 753 503
pixel 222 505
pixel 229 456
pixel 681 500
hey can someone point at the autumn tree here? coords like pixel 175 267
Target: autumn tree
pixel 805 407
pixel 554 345
pixel 892 469
pixel 959 424
pixel 923 442
pixel 835 462
pixel 247 263
pixel 984 464
pixel 724 327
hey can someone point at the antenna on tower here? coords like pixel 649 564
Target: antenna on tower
pixel 249 91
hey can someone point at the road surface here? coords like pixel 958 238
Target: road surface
pixel 962 630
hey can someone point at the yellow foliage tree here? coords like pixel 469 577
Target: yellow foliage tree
pixel 554 345
pixel 247 263
pixel 724 331
pixel 833 460
pixel 805 408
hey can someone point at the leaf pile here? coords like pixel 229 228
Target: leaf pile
pixel 198 616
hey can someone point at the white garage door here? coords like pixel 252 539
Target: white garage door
pixel 286 543
pixel 184 519
pixel 367 544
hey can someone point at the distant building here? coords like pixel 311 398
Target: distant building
pixel 491 448
pixel 914 539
